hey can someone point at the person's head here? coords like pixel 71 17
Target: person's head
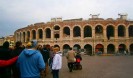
pixel 6 44
pixel 39 47
pixel 32 44
pixel 18 44
pixel 56 49
pixel 51 48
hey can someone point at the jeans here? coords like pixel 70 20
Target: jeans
pixel 55 73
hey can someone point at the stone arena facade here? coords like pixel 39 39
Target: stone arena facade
pixel 95 34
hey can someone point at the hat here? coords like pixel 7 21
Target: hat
pixel 32 44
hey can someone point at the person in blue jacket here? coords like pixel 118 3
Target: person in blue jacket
pixel 30 61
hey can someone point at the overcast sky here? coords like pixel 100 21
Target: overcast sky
pixel 15 14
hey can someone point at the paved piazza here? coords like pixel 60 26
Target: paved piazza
pixel 100 67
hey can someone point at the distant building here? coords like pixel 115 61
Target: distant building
pixel 10 39
pixel 1 41
pixel 93 35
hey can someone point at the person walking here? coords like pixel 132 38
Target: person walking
pixel 30 61
pixel 57 62
pixel 71 59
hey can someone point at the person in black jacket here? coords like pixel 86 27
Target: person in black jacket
pixel 5 54
pixel 17 50
pixel 46 55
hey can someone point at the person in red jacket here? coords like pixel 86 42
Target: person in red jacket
pixel 4 63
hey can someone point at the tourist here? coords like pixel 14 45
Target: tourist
pixel 16 51
pixel 5 54
pixel 57 62
pixel 71 59
pixel 45 54
pixel 30 61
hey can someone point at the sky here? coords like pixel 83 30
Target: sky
pixel 16 14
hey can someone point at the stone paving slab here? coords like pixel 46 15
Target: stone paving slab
pixel 100 67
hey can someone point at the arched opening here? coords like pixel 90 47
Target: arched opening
pixel 66 32
pixel 56 27
pixel 87 31
pixel 33 34
pixel 66 48
pixel 56 35
pixel 98 29
pixel 76 31
pixel 56 32
pixel 20 36
pixel 88 49
pixel 121 31
pixel 110 49
pixel 131 49
pixel 130 31
pixel 76 47
pixel 17 36
pixel 110 31
pixel 99 48
pixel 122 48
pixel 28 35
pixel 23 36
pixel 56 46
pixel 40 33
pixel 48 33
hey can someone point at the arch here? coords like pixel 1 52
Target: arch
pixel 24 36
pixel 131 49
pixel 56 46
pixel 122 48
pixel 99 47
pixel 66 31
pixel 33 34
pixel 20 36
pixel 110 31
pixel 77 47
pixel 87 31
pixel 48 32
pixel 66 46
pixel 56 27
pixel 28 35
pixel 40 33
pixel 130 31
pixel 121 31
pixel 88 49
pixel 110 49
pixel 76 31
pixel 56 32
pixel 17 36
pixel 98 29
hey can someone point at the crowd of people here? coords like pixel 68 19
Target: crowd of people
pixel 30 61
pixel 33 60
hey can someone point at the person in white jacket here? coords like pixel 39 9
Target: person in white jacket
pixel 57 62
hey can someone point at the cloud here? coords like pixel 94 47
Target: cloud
pixel 20 13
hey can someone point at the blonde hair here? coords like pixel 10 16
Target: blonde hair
pixel 56 48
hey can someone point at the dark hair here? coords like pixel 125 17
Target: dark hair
pixel 6 44
pixel 18 44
